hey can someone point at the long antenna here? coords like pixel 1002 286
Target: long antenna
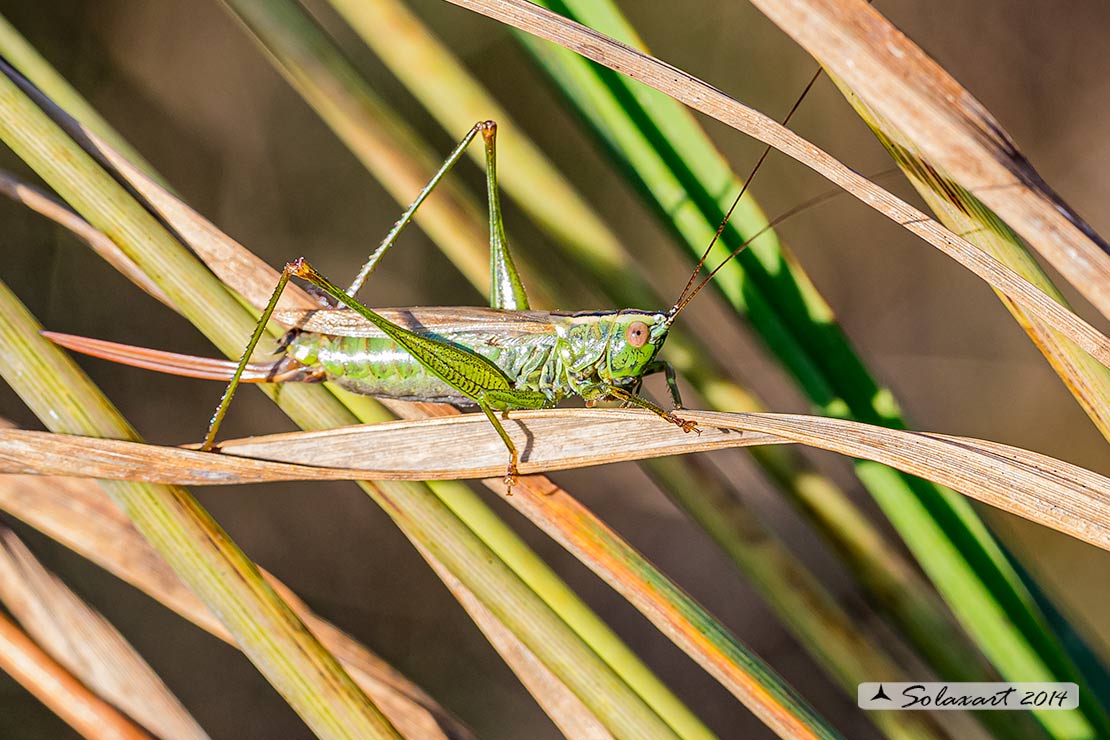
pixel 789 213
pixel 743 189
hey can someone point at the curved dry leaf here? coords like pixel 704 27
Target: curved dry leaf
pixel 76 513
pixel 87 644
pixel 962 212
pixel 55 687
pixel 707 99
pixel 61 214
pixel 1051 492
pixel 956 133
pixel 445 448
pixel 223 255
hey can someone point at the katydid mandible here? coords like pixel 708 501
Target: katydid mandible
pixel 503 358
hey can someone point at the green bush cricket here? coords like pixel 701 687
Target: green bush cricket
pixel 503 358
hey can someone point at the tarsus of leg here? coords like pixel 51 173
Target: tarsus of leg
pixel 672 379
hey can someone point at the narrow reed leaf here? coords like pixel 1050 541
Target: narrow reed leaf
pixel 566 711
pixel 965 214
pixel 75 512
pixel 55 687
pixel 1051 492
pixel 931 112
pixel 193 544
pixel 86 643
pixel 60 214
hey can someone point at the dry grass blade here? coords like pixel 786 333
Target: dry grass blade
pixel 894 77
pixel 72 511
pixel 422 449
pixel 59 213
pixel 55 687
pixel 573 718
pixel 964 213
pixel 86 643
pixel 223 255
pixel 76 513
pixel 1045 490
pixel 189 539
pixel 709 100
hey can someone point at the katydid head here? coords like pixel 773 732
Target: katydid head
pixel 634 339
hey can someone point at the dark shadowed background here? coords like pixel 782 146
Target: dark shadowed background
pixel 188 88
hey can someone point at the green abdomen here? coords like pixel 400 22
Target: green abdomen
pixel 377 366
pixel 372 366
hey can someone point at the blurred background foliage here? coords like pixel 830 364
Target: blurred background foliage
pixel 190 91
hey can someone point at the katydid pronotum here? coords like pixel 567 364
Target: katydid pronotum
pixel 499 359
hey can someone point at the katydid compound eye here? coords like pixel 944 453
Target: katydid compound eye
pixel 637 333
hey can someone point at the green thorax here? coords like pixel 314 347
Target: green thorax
pixel 564 355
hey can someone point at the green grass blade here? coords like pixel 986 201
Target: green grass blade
pixel 672 159
pixel 201 553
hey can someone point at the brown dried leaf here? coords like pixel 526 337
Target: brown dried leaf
pixel 62 215
pixel 55 687
pixel 1045 490
pixel 76 513
pixel 932 113
pixel 82 640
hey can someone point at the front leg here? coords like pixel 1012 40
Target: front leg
pixel 672 380
pixel 599 391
